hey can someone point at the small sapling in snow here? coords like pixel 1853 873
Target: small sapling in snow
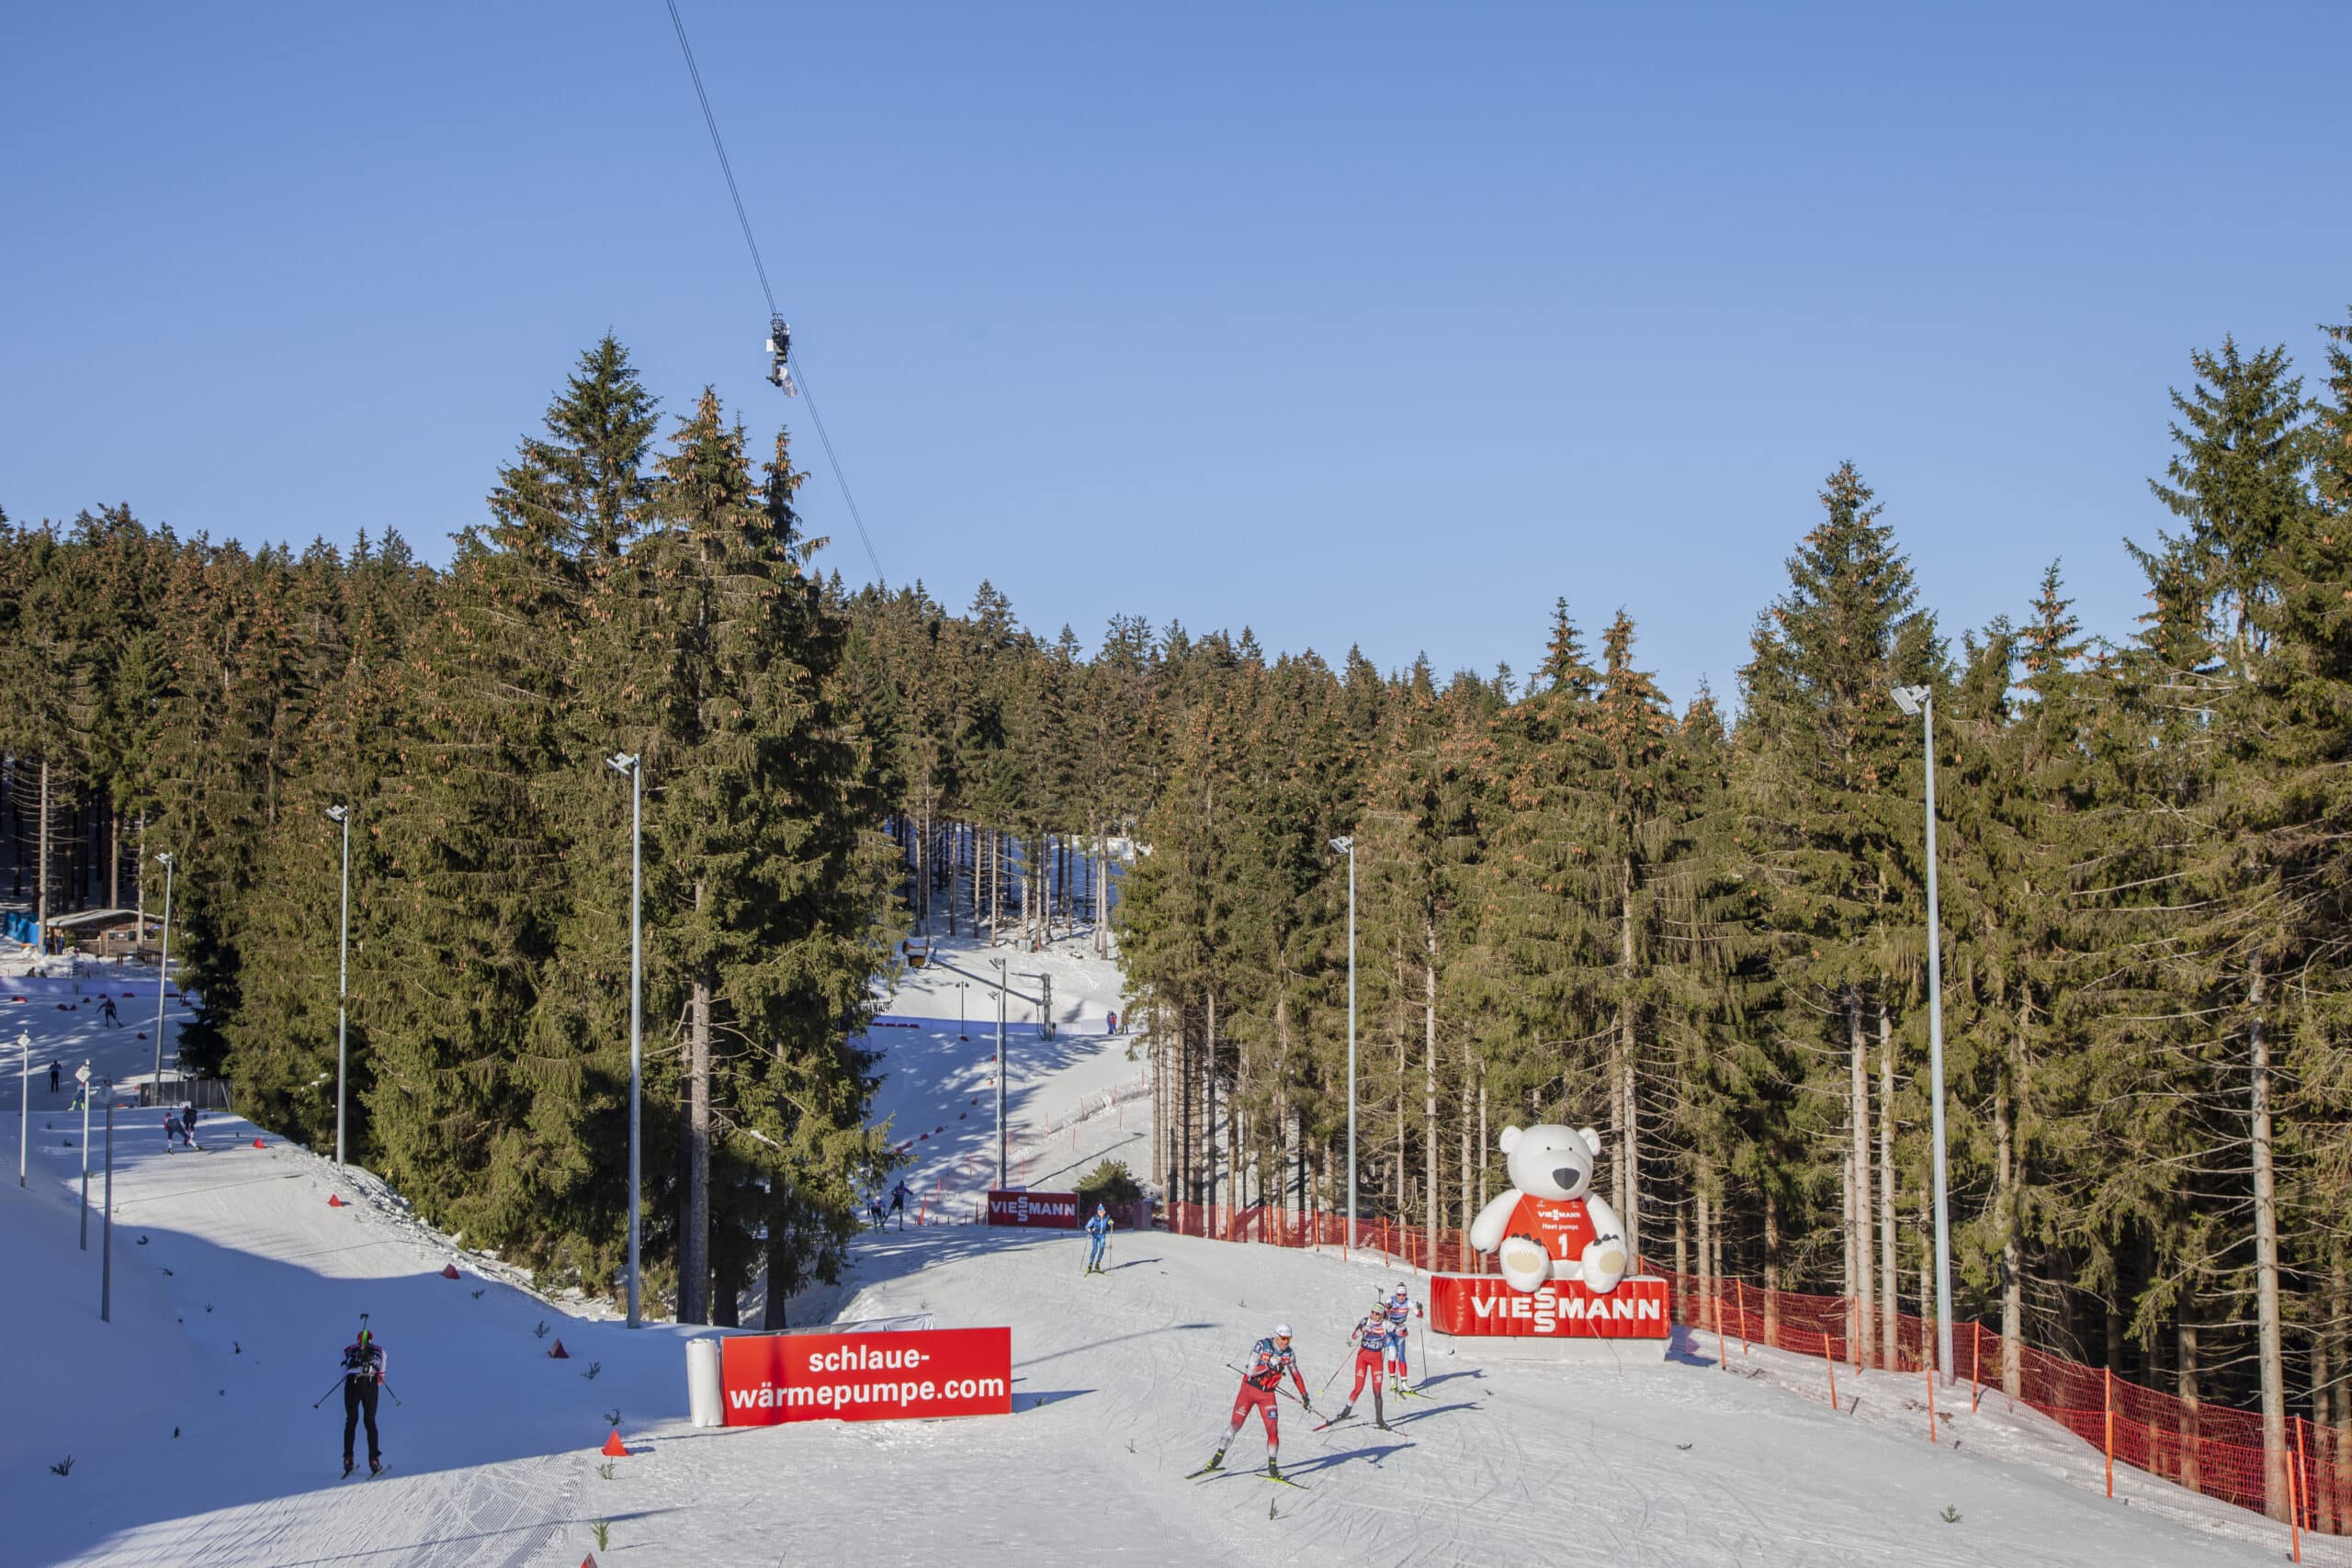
pixel 605 1470
pixel 594 1368
pixel 541 1331
pixel 478 1294
pixel 603 1528
pixel 1950 1515
pixel 62 1467
pixel 613 1416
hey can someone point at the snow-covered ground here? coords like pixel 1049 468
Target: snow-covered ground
pixel 194 1441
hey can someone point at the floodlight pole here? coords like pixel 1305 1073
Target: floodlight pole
pixel 24 1099
pixel 1348 847
pixel 1921 701
pixel 342 813
pixel 626 763
pixel 87 1083
pixel 1002 1147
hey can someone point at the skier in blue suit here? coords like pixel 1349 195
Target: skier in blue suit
pixel 1098 1228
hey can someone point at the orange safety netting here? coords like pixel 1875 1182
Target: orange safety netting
pixel 2209 1448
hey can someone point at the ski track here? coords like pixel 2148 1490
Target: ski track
pixel 1121 1389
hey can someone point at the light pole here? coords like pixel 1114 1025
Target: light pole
pixel 1001 1148
pixel 1346 846
pixel 342 815
pixel 1920 700
pixel 105 1220
pixel 24 1099
pixel 626 763
pixel 163 975
pixel 82 1077
pixel 962 1032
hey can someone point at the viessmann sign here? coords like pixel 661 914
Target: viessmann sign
pixel 1054 1211
pixel 1558 1309
pixel 767 1379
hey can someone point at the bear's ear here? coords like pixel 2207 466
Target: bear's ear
pixel 1510 1139
pixel 1591 1141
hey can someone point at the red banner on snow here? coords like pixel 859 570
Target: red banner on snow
pixel 1558 1309
pixel 1057 1211
pixel 765 1379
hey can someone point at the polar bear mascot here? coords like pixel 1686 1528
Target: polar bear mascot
pixel 1549 1226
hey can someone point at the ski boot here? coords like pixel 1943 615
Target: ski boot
pixel 1273 1469
pixel 1344 1411
pixel 375 1467
pixel 1216 1462
pixel 346 1466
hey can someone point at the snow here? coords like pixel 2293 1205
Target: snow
pixel 227 1322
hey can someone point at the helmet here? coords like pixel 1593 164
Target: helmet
pixel 1101 1208
pixel 367 1337
pixel 1281 1331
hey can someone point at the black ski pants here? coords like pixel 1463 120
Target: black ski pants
pixel 359 1397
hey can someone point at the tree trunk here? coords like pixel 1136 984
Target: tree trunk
pixel 1858 1185
pixel 1208 1091
pixel 1428 1078
pixel 782 1267
pixel 1771 1268
pixel 2189 1468
pixel 1888 1343
pixel 2265 1259
pixel 1629 1147
pixel 2004 1219
pixel 41 874
pixel 694 1244
pixel 1708 1260
pixel 1681 1260
pixel 114 861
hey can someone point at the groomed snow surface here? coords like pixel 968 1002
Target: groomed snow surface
pixel 194 1441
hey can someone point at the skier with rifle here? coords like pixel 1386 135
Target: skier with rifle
pixel 363 1375
pixel 1269 1361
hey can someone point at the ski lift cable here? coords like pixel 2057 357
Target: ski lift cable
pixel 710 122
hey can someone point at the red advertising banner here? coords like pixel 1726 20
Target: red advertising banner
pixel 1055 1211
pixel 1557 1309
pixel 765 1379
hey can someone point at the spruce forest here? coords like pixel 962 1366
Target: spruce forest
pixel 1701 930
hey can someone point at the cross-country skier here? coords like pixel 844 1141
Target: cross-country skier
pixel 898 1196
pixel 1371 1340
pixel 53 1070
pixel 1401 1307
pixel 172 1129
pixel 1098 1227
pixel 106 1012
pixel 874 1207
pixel 363 1375
pixel 1270 1359
pixel 187 1124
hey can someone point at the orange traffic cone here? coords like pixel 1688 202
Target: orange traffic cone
pixel 559 1353
pixel 614 1447
pixel 448 1270
pixel 335 1202
pixel 589 1561
pixel 259 1145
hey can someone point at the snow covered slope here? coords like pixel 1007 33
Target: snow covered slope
pixel 228 1319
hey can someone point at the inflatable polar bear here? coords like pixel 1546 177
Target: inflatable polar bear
pixel 1549 1226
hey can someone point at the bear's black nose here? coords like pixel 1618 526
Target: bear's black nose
pixel 1567 1176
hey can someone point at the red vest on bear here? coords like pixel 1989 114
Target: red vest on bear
pixel 1561 1224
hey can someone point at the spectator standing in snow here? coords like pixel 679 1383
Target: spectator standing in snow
pixel 52 1077
pixel 363 1375
pixel 1111 1022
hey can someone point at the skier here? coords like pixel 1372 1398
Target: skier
pixel 1401 1307
pixel 363 1375
pixel 1371 1340
pixel 53 1070
pixel 106 1012
pixel 187 1124
pixel 1098 1227
pixel 898 1196
pixel 874 1207
pixel 1270 1359
pixel 171 1129
pixel 1111 1022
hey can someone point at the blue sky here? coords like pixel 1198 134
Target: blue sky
pixel 1347 323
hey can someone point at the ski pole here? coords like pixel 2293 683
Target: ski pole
pixel 1278 1388
pixel 388 1389
pixel 322 1398
pixel 1332 1378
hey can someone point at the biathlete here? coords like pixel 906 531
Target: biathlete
pixel 1401 1307
pixel 363 1375
pixel 1099 1228
pixel 1269 1361
pixel 1371 1340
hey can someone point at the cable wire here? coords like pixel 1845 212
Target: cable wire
pixel 710 122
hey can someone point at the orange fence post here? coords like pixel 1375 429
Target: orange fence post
pixel 2294 1510
pixel 1832 1362
pixel 1932 1399
pixel 2106 1387
pixel 2302 1475
pixel 1720 1359
pixel 1975 1352
pixel 1739 1288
